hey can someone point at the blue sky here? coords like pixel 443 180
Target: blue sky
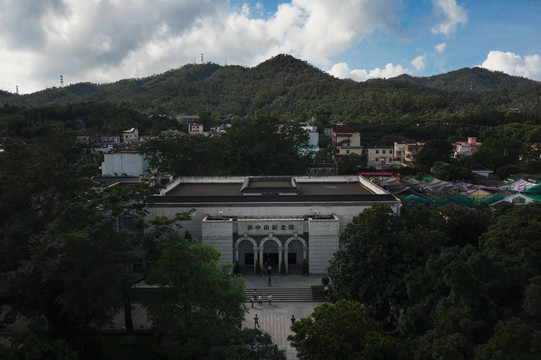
pixel 106 40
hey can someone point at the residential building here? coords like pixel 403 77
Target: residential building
pixel 322 169
pixel 345 136
pixel 465 148
pixel 195 129
pixel 313 136
pixel 410 153
pixel 380 155
pixel 100 141
pixel 400 152
pixel 186 119
pixel 346 150
pixel 131 135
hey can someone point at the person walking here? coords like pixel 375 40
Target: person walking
pixel 269 298
pixel 256 321
pixel 252 299
pixel 293 319
pixel 259 300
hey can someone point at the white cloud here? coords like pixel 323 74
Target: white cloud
pixel 342 71
pixel 440 47
pixel 102 41
pixel 419 62
pixel 453 15
pixel 528 66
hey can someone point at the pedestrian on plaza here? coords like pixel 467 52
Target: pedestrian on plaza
pixel 293 319
pixel 259 300
pixel 256 321
pixel 269 298
pixel 252 299
pixel 269 269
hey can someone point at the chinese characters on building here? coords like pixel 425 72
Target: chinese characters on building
pixel 271 227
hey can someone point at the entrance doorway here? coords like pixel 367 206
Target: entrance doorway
pixel 273 258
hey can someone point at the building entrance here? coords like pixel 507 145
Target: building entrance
pixel 273 258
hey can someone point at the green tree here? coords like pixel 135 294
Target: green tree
pixel 514 339
pixel 266 146
pixel 248 344
pixel 73 276
pixel 35 343
pixel 434 150
pixel 343 331
pixel 377 252
pixel 351 164
pixel 200 303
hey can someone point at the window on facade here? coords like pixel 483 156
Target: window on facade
pixel 383 151
pixel 377 151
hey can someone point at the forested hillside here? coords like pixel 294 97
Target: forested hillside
pixel 287 87
pixel 478 79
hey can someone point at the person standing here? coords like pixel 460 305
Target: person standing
pixel 293 319
pixel 259 300
pixel 269 298
pixel 256 321
pixel 252 299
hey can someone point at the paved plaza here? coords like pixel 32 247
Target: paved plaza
pixel 276 318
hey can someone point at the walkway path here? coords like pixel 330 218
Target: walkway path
pixel 275 319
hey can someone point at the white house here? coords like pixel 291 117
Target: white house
pixel 129 163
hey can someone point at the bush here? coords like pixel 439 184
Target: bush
pixel 325 280
pixel 283 271
pixel 236 268
pixel 305 267
pixel 258 268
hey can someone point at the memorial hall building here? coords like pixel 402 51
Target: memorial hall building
pixel 293 218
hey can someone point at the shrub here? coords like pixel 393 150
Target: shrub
pixel 325 280
pixel 305 267
pixel 283 271
pixel 258 268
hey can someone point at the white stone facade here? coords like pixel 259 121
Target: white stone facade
pixel 293 228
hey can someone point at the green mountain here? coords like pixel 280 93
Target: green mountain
pixel 289 88
pixel 476 79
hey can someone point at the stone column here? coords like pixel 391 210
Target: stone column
pixel 286 253
pixel 255 257
pixel 236 253
pixel 304 252
pixel 279 258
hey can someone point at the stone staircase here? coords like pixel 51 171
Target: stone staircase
pixel 306 294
